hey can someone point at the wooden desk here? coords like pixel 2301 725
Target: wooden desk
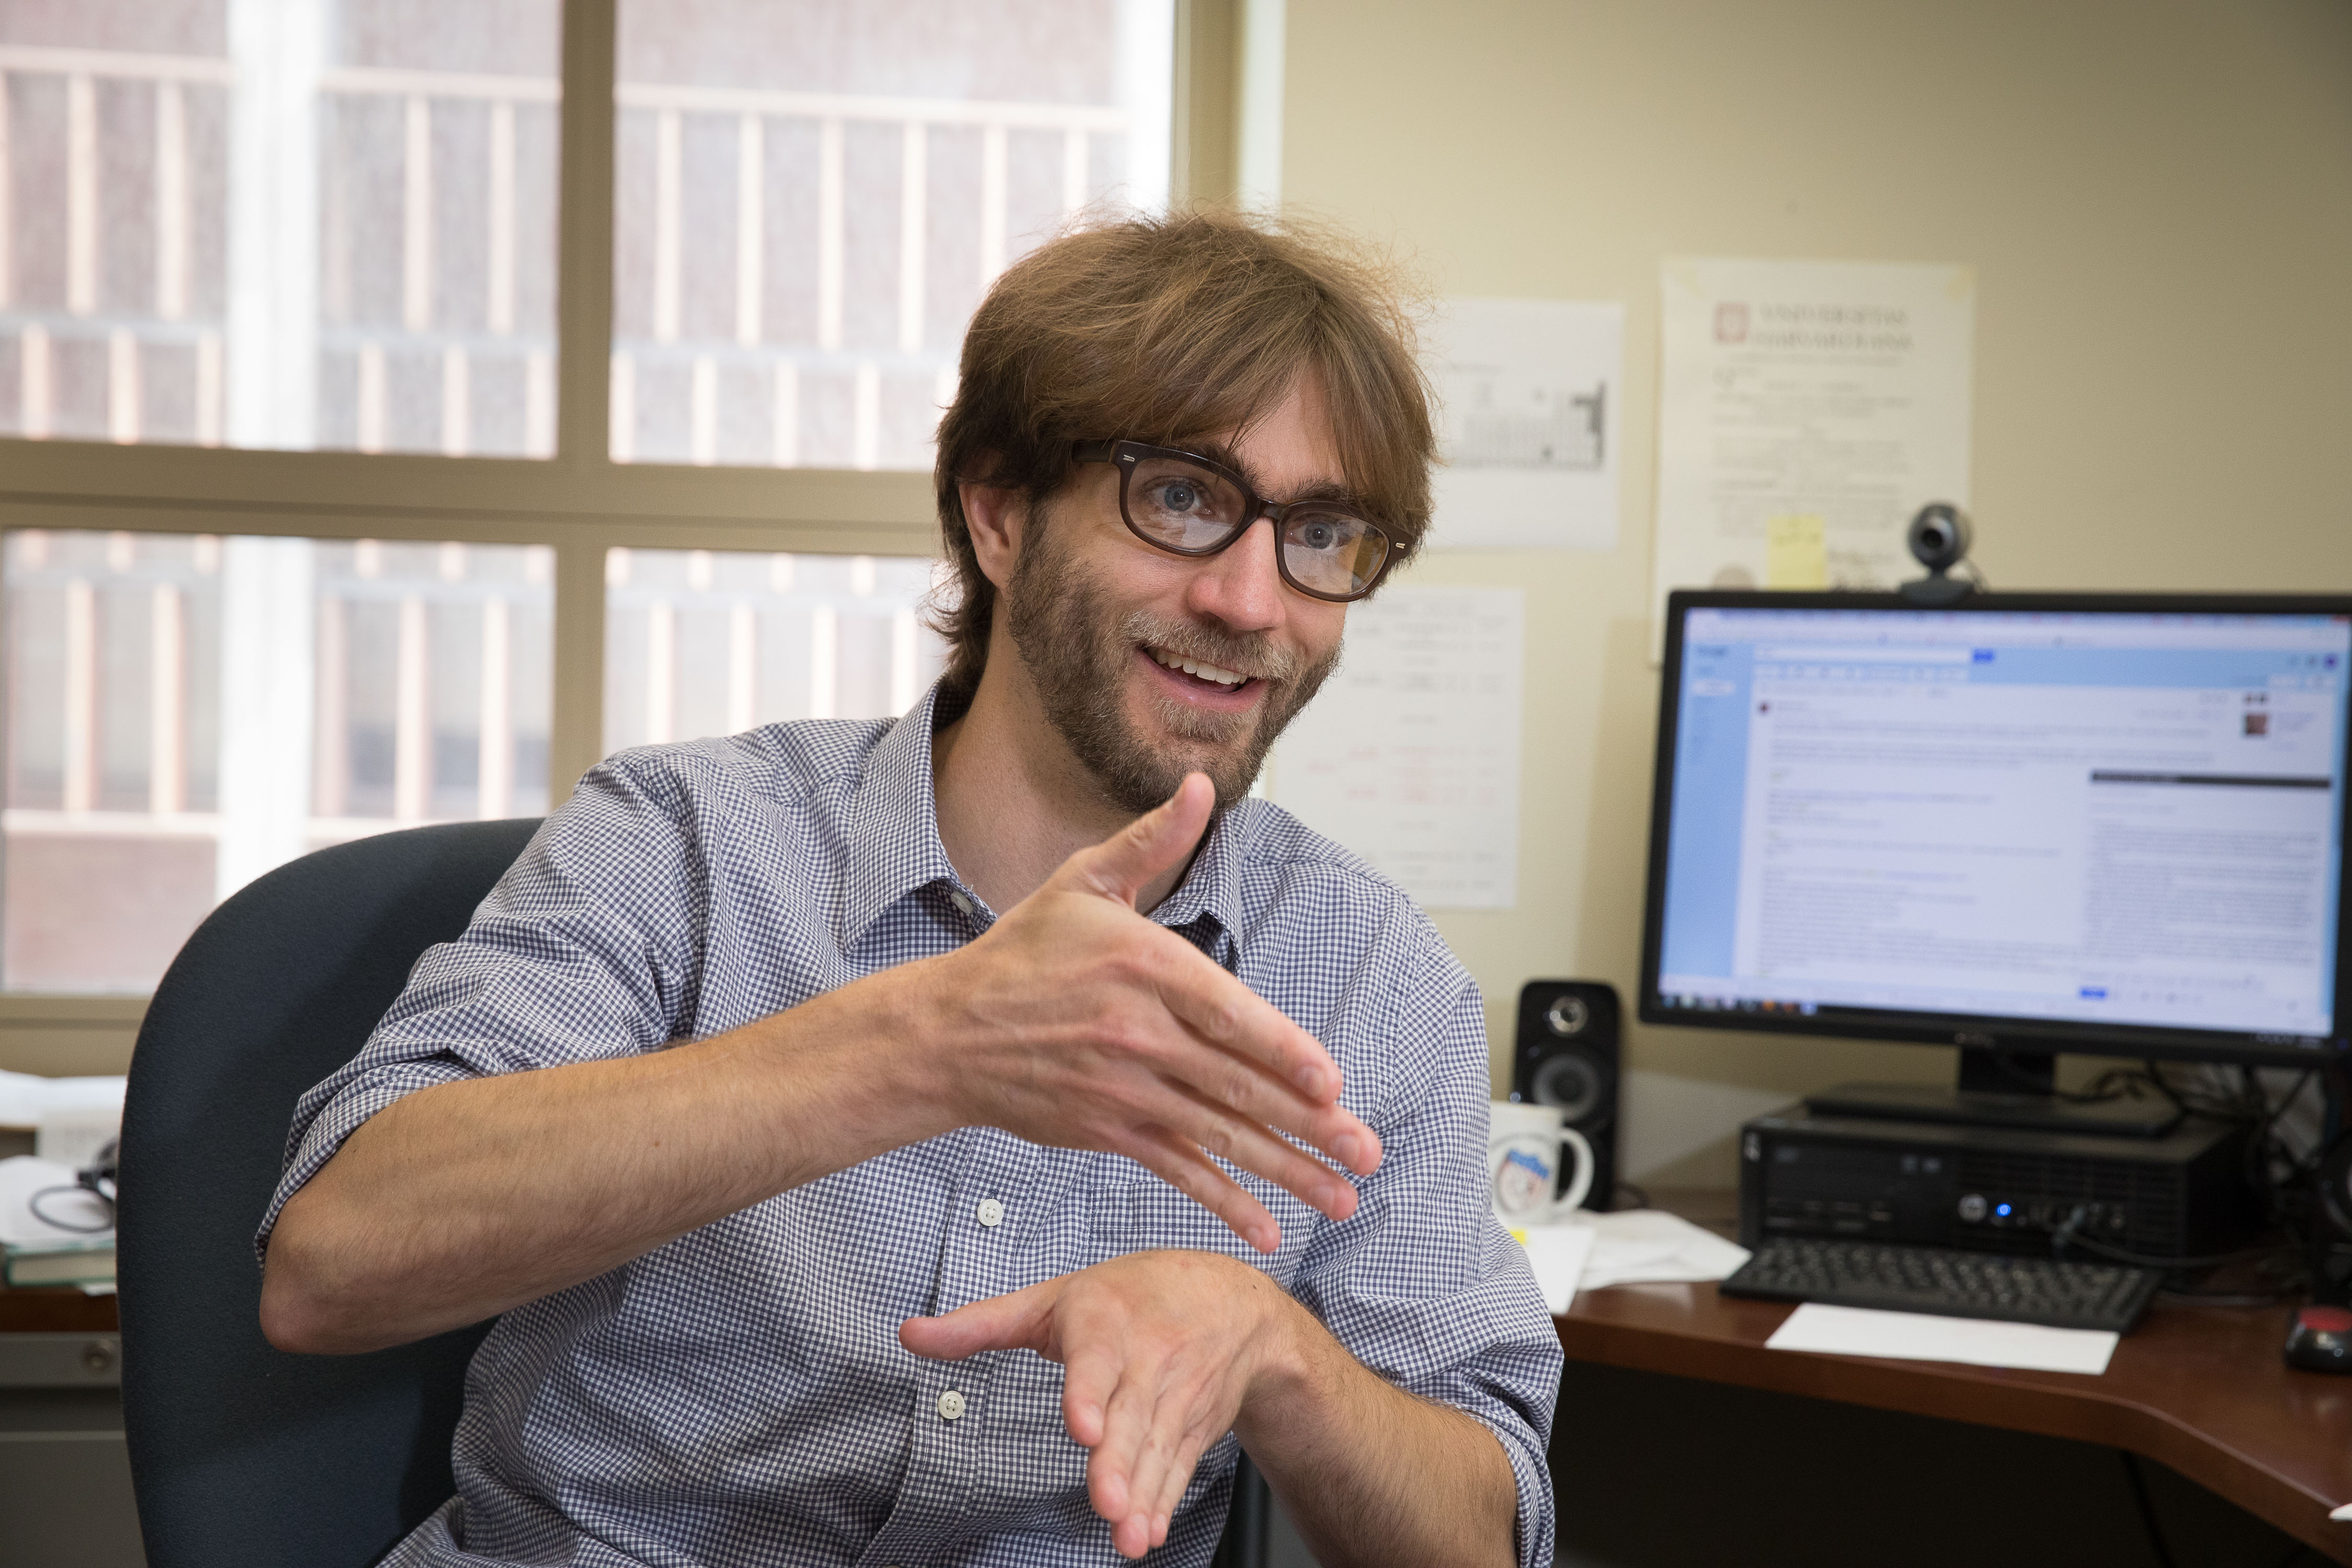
pixel 56 1310
pixel 2201 1389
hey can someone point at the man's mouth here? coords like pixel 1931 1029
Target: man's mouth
pixel 1214 676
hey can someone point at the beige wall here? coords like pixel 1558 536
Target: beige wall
pixel 2156 195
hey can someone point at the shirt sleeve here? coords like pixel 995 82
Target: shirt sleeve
pixel 588 948
pixel 1422 1285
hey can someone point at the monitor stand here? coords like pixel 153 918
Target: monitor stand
pixel 2011 1089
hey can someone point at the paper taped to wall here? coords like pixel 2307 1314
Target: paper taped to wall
pixel 1527 403
pixel 1410 756
pixel 1807 409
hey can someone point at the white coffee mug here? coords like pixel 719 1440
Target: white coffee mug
pixel 1526 1146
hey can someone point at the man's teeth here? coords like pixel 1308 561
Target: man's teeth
pixel 1194 667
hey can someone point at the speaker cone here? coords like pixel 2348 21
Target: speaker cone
pixel 1570 1082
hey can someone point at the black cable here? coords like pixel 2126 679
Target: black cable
pixel 34 1205
pixel 2098 1093
pixel 2223 1111
pixel 2262 1172
pixel 2066 1235
pixel 2063 1238
pixel 2156 1545
pixel 2223 1298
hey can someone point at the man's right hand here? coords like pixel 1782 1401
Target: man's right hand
pixel 1076 1022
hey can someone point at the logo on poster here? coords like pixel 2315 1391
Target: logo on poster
pixel 1730 322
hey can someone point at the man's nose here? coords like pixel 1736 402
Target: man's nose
pixel 1241 586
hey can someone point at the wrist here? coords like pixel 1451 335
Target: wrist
pixel 1297 1377
pixel 861 1058
pixel 912 1028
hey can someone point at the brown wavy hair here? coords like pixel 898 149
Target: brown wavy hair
pixel 1163 328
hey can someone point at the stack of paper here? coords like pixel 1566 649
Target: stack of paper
pixel 52 1231
pixel 1635 1246
pixel 72 1118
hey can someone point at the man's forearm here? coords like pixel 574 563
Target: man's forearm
pixel 463 1200
pixel 1373 1476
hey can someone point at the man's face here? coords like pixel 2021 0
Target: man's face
pixel 1105 623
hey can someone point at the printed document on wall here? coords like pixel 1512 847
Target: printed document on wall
pixel 1807 409
pixel 1527 395
pixel 1410 756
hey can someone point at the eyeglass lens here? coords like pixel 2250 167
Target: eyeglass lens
pixel 1191 509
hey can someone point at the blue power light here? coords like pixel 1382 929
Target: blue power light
pixel 2002 1209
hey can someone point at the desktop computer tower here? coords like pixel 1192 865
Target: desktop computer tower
pixel 1994 1189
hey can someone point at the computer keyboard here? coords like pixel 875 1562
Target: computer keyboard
pixel 1957 1284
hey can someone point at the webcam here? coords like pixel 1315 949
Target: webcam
pixel 1938 537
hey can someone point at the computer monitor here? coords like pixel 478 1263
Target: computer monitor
pixel 2023 825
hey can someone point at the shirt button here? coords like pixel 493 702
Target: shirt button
pixel 956 896
pixel 951 1405
pixel 991 1213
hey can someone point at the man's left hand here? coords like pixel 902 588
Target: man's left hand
pixel 1160 1350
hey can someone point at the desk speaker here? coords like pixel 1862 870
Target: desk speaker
pixel 1566 1056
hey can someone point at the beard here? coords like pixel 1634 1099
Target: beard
pixel 1076 647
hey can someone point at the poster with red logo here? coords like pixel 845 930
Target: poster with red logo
pixel 1807 409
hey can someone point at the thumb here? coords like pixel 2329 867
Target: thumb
pixel 1158 841
pixel 1021 1321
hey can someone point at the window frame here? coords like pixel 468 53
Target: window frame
pixel 578 501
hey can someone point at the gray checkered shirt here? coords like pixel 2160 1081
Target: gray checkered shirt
pixel 739 1397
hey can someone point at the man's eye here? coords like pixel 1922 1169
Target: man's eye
pixel 1319 536
pixel 1179 495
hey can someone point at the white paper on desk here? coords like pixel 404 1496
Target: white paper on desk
pixel 1410 755
pixel 1557 1254
pixel 1921 1336
pixel 1650 1246
pixel 1528 401
pixel 72 1118
pixel 26 1098
pixel 1806 410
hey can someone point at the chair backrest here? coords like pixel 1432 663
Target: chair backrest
pixel 240 1454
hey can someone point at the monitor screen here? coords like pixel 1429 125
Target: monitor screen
pixel 2081 823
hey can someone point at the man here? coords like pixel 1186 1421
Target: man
pixel 835 1217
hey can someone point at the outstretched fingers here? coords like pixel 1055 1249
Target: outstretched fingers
pixel 1112 1472
pixel 1207 1127
pixel 1229 1017
pixel 1179 1163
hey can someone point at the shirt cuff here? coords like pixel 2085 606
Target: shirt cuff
pixel 338 1119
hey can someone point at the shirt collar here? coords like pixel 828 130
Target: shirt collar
pixel 895 846
pixel 1212 887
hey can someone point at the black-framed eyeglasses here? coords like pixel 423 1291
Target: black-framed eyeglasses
pixel 1187 505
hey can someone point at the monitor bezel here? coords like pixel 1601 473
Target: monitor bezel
pixel 2023 1036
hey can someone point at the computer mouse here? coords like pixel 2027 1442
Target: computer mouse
pixel 2320 1340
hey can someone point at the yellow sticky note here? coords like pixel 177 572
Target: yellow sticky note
pixel 1795 554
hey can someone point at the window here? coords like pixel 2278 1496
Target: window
pixel 187 710
pixel 704 644
pixel 812 198
pixel 357 252
pixel 520 358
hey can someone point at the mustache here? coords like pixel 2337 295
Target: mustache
pixel 1257 655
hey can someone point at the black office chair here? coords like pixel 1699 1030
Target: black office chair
pixel 242 1455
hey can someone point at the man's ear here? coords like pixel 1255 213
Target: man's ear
pixel 995 516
